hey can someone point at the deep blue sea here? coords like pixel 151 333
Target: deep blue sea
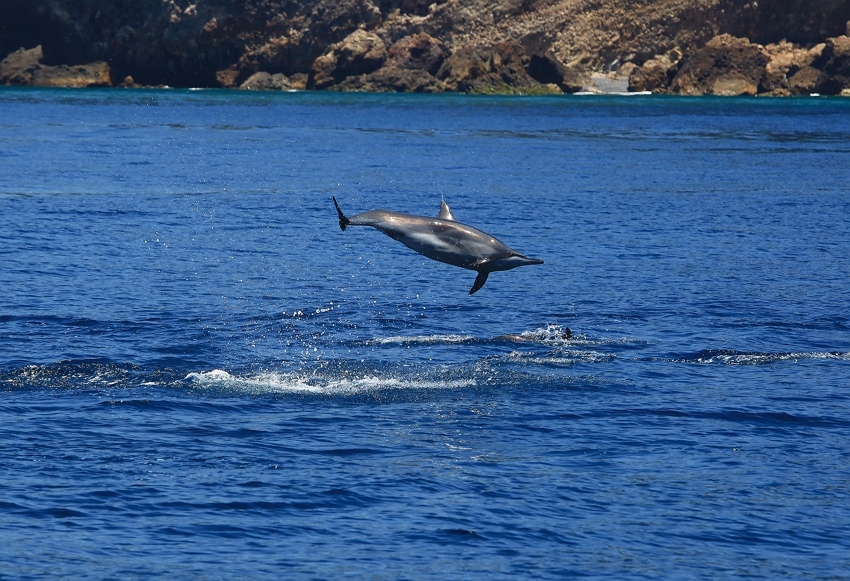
pixel 202 377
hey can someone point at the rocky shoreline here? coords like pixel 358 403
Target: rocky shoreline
pixel 684 47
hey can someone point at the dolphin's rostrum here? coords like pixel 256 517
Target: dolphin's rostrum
pixel 443 239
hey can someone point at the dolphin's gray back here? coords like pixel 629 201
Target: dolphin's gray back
pixel 443 240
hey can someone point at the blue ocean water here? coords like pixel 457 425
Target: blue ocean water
pixel 202 377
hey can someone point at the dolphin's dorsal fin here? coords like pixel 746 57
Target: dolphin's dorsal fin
pixel 445 212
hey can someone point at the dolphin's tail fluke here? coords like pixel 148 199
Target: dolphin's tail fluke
pixel 479 282
pixel 343 221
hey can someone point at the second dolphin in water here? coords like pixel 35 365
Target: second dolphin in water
pixel 443 239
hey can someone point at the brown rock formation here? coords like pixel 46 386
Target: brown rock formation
pixel 90 75
pixel 804 81
pixel 654 75
pixel 393 80
pixel 724 66
pixel 417 51
pixel 835 67
pixel 265 82
pixel 786 59
pixel 23 67
pixel 17 68
pixel 359 53
pixel 129 83
pixel 548 70
pixel 498 68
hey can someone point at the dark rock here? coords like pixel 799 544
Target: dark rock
pixel 724 66
pixel 804 81
pixel 786 59
pixel 17 68
pixel 804 22
pixel 835 64
pixel 299 81
pixel 546 69
pixel 359 53
pixel 334 20
pixel 653 75
pixel 417 7
pixel 265 82
pixel 418 51
pixel 393 80
pixel 500 68
pixel 774 83
pixel 227 78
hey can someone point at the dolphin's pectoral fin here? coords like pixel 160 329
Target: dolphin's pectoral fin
pixel 479 282
pixel 343 221
pixel 446 212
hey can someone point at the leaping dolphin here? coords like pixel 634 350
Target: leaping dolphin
pixel 443 239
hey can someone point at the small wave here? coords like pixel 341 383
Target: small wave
pixel 554 335
pixel 730 357
pixel 557 357
pixel 421 340
pixel 550 334
pixel 298 383
pixel 70 374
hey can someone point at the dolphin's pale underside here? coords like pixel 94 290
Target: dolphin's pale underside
pixel 443 239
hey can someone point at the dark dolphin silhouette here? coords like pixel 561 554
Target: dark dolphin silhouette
pixel 443 239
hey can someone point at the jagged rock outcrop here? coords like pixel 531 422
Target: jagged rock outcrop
pixel 17 68
pixel 654 75
pixel 418 51
pixel 499 68
pixel 548 70
pixel 359 53
pixel 393 80
pixel 724 66
pixel 23 67
pixel 835 66
pixel 89 75
pixel 786 60
pixel 804 81
pixel 263 81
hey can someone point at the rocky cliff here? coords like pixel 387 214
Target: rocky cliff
pixel 420 45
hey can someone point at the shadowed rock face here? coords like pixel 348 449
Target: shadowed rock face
pixel 546 69
pixel 485 68
pixel 803 22
pixel 835 66
pixel 265 82
pixel 725 66
pixel 393 80
pixel 359 53
pixel 654 76
pixel 418 51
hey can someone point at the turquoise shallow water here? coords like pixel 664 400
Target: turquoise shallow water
pixel 201 377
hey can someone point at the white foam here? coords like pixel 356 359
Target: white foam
pixel 550 334
pixel 421 339
pixel 272 382
pixel 559 357
pixel 763 358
